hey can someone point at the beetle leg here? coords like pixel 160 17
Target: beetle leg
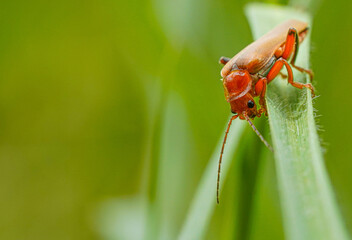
pixel 274 71
pixel 292 46
pixel 308 71
pixel 260 89
pixel 224 60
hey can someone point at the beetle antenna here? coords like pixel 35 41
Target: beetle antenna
pixel 220 159
pixel 258 133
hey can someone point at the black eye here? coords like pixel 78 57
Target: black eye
pixel 250 104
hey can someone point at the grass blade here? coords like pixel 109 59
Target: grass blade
pixel 308 203
pixel 204 202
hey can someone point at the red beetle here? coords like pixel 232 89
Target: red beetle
pixel 247 74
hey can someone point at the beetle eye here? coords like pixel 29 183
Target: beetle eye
pixel 250 104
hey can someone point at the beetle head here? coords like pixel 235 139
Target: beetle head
pixel 244 106
pixel 238 92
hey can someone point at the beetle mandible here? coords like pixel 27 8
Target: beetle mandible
pixel 248 73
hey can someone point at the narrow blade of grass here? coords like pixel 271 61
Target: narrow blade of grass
pixel 204 202
pixel 307 200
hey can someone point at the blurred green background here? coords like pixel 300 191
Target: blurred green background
pixel 110 110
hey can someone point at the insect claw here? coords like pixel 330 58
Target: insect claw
pixel 263 110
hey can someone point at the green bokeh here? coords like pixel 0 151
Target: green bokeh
pixel 83 88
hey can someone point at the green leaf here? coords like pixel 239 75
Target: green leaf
pixel 307 200
pixel 204 202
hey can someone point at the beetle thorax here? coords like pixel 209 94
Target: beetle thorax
pixel 236 84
